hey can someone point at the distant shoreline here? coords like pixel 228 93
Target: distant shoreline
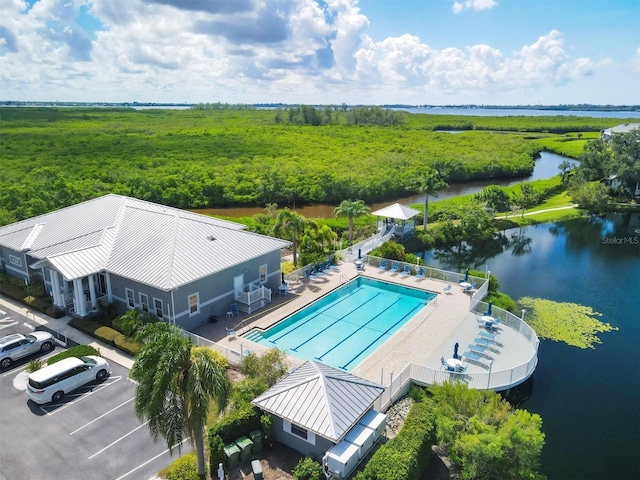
pixel 560 108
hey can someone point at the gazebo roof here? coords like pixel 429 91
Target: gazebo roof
pixel 398 211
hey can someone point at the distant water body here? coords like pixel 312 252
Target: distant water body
pixel 519 112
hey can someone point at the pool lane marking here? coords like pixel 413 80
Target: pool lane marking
pixel 151 459
pixel 103 415
pixel 410 312
pixel 338 320
pixel 318 313
pixel 119 440
pixel 381 312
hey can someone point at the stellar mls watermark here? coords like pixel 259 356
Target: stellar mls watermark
pixel 629 240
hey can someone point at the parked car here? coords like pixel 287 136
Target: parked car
pixel 49 384
pixel 16 346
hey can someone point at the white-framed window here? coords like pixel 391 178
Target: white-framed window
pixel 144 302
pixel 194 303
pixel 299 432
pixel 17 261
pixel 102 284
pixel 130 297
pixel 157 307
pixel 262 273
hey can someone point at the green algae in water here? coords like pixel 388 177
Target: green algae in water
pixel 571 323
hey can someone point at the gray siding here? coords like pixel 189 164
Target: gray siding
pixel 316 451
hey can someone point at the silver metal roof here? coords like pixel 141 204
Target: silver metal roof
pixel 321 399
pixel 159 246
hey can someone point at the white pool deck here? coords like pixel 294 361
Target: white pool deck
pixel 415 349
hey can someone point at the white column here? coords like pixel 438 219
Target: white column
pixel 65 291
pixel 55 287
pixel 109 294
pixel 92 292
pixel 78 292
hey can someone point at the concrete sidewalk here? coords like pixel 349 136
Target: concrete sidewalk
pixel 64 333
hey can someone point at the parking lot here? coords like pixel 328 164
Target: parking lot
pixel 92 433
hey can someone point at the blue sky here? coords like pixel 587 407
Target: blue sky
pixel 435 52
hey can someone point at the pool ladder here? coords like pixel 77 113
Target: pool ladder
pixel 344 278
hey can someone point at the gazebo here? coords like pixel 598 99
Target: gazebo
pixel 392 214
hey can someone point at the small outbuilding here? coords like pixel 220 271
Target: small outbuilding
pixel 315 406
pixel 397 217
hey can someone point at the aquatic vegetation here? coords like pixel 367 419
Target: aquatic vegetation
pixel 567 322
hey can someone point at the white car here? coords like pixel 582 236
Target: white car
pixel 51 383
pixel 16 346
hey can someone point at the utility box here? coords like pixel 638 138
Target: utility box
pixel 362 437
pixel 232 452
pixel 244 444
pixel 256 438
pixel 341 459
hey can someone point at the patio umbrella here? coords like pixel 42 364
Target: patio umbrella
pixel 455 350
pixel 283 282
pixel 466 275
pixel 489 309
pixel 359 254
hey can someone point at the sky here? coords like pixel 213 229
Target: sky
pixel 372 52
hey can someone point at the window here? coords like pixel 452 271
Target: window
pixel 300 432
pixel 102 284
pixel 262 273
pixel 144 302
pixel 194 304
pixel 15 260
pixel 157 305
pixel 130 298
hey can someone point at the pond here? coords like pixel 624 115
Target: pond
pixel 589 399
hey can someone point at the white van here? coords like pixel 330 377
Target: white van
pixel 49 384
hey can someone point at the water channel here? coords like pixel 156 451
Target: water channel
pixel 546 167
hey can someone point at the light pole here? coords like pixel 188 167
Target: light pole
pixel 523 312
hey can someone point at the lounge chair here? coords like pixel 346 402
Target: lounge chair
pixel 447 288
pixel 475 358
pixel 487 335
pixel 331 266
pixel 420 274
pixel 483 341
pixel 383 265
pixel 395 267
pixel 307 273
pixel 479 349
pixel 406 272
pixel 315 271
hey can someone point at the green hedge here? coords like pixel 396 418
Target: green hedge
pixel 237 423
pixel 405 456
pixel 77 351
pixel 126 344
pixel 184 468
pixel 106 334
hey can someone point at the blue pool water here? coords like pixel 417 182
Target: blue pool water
pixel 345 326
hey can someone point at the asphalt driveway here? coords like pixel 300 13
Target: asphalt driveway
pixel 92 433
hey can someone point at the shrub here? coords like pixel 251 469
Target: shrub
pixel 307 469
pixel 236 423
pixel 106 334
pixel 267 368
pixel 77 351
pixel 216 452
pixel 246 390
pixel 126 344
pixel 184 468
pixel 34 365
pixel 85 325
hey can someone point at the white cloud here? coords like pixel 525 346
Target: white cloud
pixel 635 62
pixel 273 50
pixel 460 6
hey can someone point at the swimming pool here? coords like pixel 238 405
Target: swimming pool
pixel 345 326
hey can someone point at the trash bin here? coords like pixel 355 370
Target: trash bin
pixel 256 438
pixel 232 452
pixel 244 444
pixel 256 468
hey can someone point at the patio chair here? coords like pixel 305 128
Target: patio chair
pixel 420 274
pixel 331 266
pixel 395 267
pixel 406 272
pixel 307 273
pixel 447 289
pixel 383 265
pixel 470 288
pixel 231 332
pixel 234 309
pixel 315 271
pixel 446 366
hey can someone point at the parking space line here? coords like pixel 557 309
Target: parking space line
pixel 151 460
pixel 7 325
pixel 103 415
pixel 118 440
pixel 80 396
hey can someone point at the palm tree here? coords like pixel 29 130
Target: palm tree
pixel 351 209
pixel 429 182
pixel 176 382
pixel 290 225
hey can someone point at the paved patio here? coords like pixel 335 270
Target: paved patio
pixel 428 336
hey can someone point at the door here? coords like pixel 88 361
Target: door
pixel 238 283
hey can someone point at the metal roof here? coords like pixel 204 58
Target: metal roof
pixel 159 246
pixel 321 399
pixel 396 210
